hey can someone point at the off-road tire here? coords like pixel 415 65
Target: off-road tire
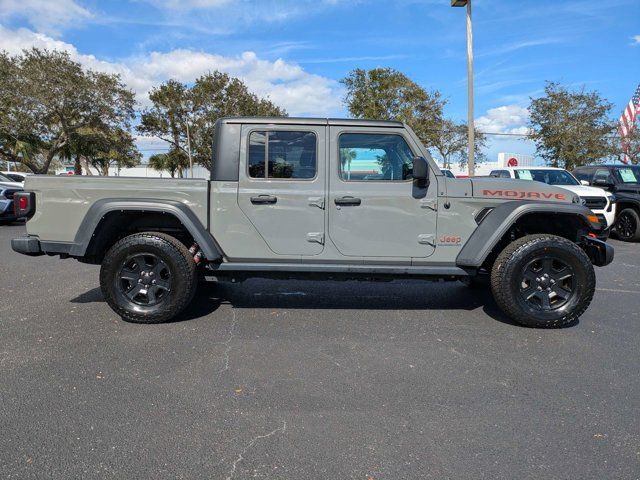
pixel 631 216
pixel 176 259
pixel 508 282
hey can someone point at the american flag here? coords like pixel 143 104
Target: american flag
pixel 628 120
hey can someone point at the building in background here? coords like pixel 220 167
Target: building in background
pixel 142 170
pixel 504 160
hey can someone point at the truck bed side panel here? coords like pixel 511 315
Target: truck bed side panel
pixel 63 202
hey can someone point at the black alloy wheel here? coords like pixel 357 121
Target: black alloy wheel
pixel 145 279
pixel 543 281
pixel 148 277
pixel 547 283
pixel 627 226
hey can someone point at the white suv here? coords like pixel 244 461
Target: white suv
pixel 601 202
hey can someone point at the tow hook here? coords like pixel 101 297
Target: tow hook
pixel 599 252
pixel 197 253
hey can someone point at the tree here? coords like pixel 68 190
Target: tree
pixel 452 143
pixel 217 95
pixel 177 108
pixel 111 148
pixel 174 161
pixel 571 128
pixel 347 155
pixel 386 94
pixel 168 117
pixel 46 98
pixel 630 146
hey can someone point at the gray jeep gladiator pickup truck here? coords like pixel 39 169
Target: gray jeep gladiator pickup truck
pixel 325 199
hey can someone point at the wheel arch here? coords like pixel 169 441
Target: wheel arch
pixel 625 203
pixel 511 220
pixel 102 225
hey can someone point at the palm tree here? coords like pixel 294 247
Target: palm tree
pixel 173 161
pixel 347 155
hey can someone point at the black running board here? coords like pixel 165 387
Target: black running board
pixel 230 268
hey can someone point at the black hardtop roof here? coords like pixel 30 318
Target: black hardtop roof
pixel 312 121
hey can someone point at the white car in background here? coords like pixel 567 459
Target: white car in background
pixel 15 176
pixel 601 202
pixel 8 189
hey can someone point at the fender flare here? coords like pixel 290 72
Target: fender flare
pixel 498 222
pixel 628 198
pixel 182 212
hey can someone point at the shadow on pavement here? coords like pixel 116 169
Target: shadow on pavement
pixel 332 295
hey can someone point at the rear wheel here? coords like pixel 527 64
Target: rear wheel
pixel 628 225
pixel 148 277
pixel 543 281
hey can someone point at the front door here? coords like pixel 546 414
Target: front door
pixel 282 186
pixel 375 208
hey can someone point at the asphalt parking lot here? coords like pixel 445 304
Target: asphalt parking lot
pixel 306 380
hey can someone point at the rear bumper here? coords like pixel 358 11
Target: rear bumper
pixel 33 247
pixel 27 246
pixel 599 252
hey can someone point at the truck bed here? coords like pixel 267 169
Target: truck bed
pixel 62 202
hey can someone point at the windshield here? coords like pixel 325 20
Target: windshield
pixel 5 179
pixel 550 177
pixel 628 175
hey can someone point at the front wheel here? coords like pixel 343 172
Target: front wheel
pixel 148 277
pixel 628 225
pixel 543 281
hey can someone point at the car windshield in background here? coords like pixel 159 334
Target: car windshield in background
pixel 550 177
pixel 628 175
pixel 5 179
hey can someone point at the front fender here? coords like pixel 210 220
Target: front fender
pixel 498 222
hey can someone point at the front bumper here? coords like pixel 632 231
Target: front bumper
pixel 599 252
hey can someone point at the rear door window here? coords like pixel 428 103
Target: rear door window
pixel 282 155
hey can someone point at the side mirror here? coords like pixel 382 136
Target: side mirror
pixel 602 183
pixel 585 183
pixel 420 171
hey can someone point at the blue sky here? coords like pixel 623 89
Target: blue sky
pixel 296 51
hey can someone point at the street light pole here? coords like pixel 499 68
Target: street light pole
pixel 189 149
pixel 471 159
pixel 186 124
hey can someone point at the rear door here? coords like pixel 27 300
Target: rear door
pixel 282 186
pixel 375 208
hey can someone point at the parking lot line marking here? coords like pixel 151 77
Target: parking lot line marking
pixel 617 290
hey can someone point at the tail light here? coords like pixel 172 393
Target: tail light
pixel 24 204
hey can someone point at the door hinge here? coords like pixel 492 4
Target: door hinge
pixel 316 202
pixel 315 237
pixel 431 203
pixel 427 239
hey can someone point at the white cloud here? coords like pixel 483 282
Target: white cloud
pixel 512 47
pixel 286 84
pixel 505 119
pixel 149 145
pixel 45 15
pixel 636 40
pixel 188 4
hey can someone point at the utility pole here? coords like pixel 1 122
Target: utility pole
pixel 471 159
pixel 185 109
pixel 189 149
